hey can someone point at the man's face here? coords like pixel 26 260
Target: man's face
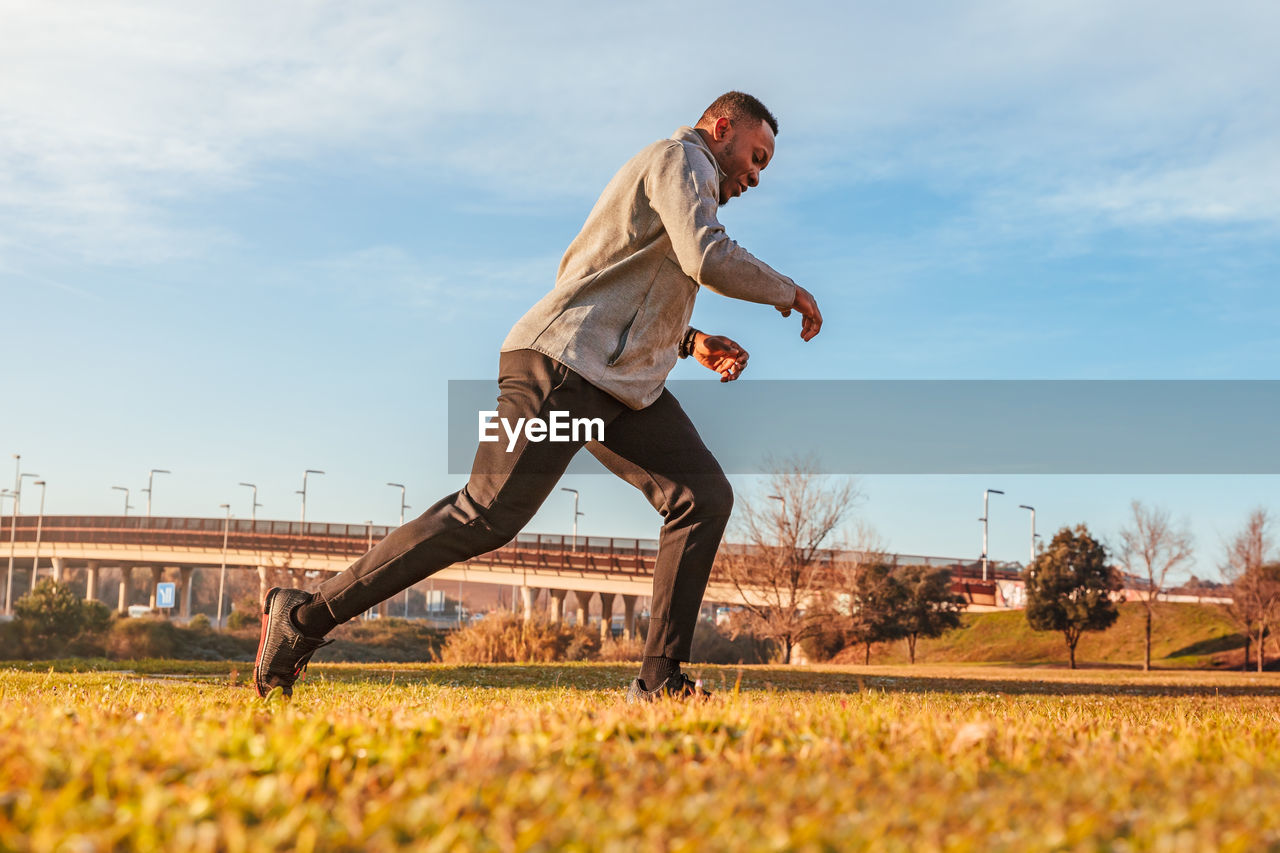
pixel 746 148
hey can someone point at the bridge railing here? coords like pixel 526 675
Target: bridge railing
pixel 547 551
pixel 544 551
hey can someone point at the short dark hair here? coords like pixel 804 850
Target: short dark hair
pixel 738 106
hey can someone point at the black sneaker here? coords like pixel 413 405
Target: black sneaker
pixel 678 686
pixel 283 650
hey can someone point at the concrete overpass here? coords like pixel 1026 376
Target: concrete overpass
pixel 586 566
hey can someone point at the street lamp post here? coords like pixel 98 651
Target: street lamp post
pixel 788 539
pixel 303 492
pixel 16 494
pixel 986 493
pixel 13 532
pixel 150 480
pixel 368 524
pixel 222 576
pixel 127 505
pixel 253 507
pixel 35 563
pixel 1033 532
pixel 576 515
pixel 23 477
pixel 403 507
pixel 5 493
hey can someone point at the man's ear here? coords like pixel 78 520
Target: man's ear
pixel 720 128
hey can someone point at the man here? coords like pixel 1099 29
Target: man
pixel 599 345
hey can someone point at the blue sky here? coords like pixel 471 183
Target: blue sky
pixel 241 241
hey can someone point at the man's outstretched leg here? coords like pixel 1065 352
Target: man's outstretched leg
pixel 658 450
pixel 506 488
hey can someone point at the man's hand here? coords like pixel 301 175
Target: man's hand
pixel 808 308
pixel 721 355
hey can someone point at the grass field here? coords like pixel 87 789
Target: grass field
pixel 549 758
pixel 1184 635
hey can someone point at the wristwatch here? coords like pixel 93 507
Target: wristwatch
pixel 686 343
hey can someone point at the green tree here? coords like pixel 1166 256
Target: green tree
pixel 50 616
pixel 1070 588
pixel 876 600
pixel 928 607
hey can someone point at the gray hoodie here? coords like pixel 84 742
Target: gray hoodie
pixel 624 293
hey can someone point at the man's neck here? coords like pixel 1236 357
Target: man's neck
pixel 712 146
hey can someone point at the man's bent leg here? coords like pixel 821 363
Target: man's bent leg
pixel 658 450
pixel 503 493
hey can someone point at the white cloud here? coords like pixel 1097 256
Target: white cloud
pixel 112 111
pixel 377 274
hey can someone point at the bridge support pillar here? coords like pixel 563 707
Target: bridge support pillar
pixel 583 600
pixel 91 581
pixel 184 579
pixel 629 616
pixel 556 605
pixel 157 574
pixel 126 578
pixel 263 585
pixel 59 565
pixel 606 615
pixel 528 598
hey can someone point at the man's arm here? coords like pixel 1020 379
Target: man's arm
pixel 687 203
pixel 687 206
pixel 721 354
pixel 808 308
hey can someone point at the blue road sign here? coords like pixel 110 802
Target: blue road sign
pixel 166 594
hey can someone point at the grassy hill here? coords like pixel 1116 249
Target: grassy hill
pixel 1183 635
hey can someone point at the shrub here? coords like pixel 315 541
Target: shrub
pixel 12 641
pixel 387 640
pixel 241 619
pixel 200 623
pixel 621 651
pixel 712 644
pixel 142 638
pixel 52 620
pixel 50 610
pixel 825 640
pixel 86 646
pixel 507 638
pixel 97 617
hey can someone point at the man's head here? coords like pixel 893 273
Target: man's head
pixel 740 132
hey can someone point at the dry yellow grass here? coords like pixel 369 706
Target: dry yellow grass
pixel 548 758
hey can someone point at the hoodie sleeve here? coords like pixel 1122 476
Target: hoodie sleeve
pixel 686 199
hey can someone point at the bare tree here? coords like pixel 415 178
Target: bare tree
pixel 1151 546
pixel 1255 580
pixel 786 538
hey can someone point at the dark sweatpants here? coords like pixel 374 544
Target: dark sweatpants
pixel 656 449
